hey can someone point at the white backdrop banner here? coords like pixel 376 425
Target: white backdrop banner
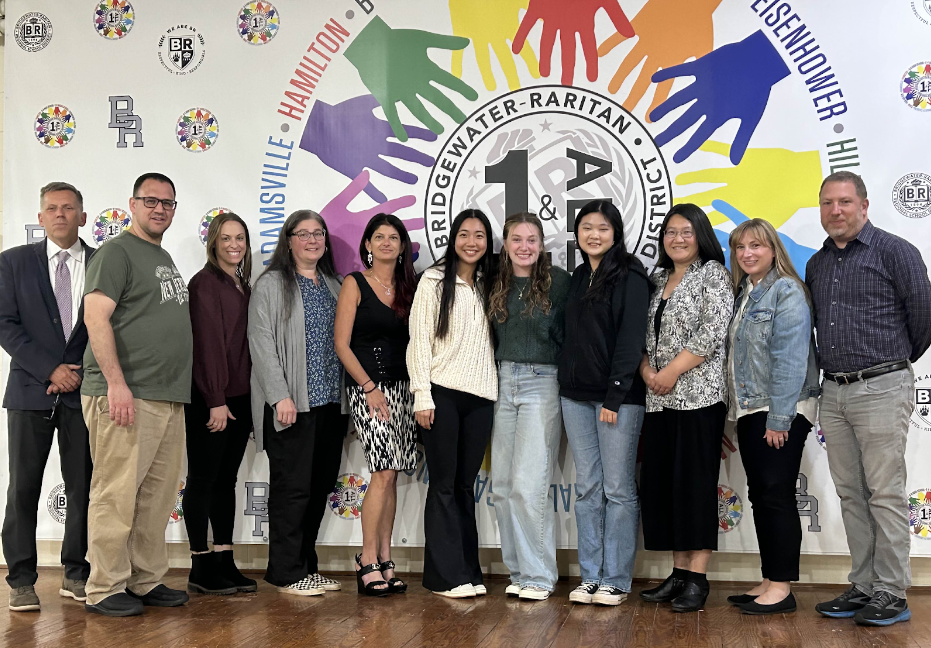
pixel 353 107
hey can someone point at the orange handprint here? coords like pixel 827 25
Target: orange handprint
pixel 669 32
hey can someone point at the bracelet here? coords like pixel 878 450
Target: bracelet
pixel 365 383
pixel 374 387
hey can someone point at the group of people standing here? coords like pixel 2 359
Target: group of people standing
pixel 512 351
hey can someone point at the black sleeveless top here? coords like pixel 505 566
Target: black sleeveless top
pixel 379 339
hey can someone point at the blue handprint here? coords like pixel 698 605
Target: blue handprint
pixel 798 254
pixel 731 82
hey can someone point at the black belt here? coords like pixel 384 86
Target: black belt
pixel 856 376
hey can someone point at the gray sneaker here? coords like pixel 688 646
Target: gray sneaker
pixel 73 589
pixel 24 599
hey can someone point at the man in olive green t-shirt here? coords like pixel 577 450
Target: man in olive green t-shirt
pixel 137 377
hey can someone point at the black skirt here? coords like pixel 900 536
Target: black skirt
pixel 679 478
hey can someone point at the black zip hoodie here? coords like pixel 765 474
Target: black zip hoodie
pixel 604 343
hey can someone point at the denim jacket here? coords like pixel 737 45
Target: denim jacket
pixel 774 350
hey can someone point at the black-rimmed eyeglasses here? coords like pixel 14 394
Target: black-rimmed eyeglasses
pixel 152 202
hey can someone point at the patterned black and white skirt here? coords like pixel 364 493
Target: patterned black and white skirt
pixel 391 444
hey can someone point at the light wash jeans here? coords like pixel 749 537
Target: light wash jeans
pixel 607 511
pixel 524 447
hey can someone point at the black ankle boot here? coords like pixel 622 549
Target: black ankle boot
pixel 665 591
pixel 205 576
pixel 693 596
pixel 230 572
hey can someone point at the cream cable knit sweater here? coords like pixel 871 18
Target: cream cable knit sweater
pixel 465 359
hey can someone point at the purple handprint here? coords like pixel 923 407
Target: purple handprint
pixel 346 227
pixel 348 138
pixel 731 82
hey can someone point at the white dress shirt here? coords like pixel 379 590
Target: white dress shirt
pixel 75 263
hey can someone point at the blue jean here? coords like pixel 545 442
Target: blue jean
pixel 607 510
pixel 524 447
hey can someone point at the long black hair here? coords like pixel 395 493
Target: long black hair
pixel 405 279
pixel 616 261
pixel 282 261
pixel 709 249
pixel 450 264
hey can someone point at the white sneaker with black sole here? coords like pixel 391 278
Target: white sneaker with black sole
pixel 583 593
pixel 607 595
pixel 512 589
pixel 328 584
pixel 534 593
pixel 462 591
pixel 303 587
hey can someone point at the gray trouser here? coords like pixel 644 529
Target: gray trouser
pixel 865 426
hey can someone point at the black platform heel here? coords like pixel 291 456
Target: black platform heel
pixel 395 585
pixel 370 589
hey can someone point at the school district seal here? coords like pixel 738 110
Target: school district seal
pixel 58 504
pixel 33 32
pixel 346 498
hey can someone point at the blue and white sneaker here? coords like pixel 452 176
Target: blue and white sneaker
pixel 845 605
pixel 883 609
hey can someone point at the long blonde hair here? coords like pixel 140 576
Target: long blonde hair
pixel 764 232
pixel 540 279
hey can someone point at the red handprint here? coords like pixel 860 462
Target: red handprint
pixel 727 444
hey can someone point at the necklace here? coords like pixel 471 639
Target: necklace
pixel 387 289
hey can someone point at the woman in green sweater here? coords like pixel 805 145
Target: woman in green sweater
pixel 527 311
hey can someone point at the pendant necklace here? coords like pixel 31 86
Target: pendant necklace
pixel 387 289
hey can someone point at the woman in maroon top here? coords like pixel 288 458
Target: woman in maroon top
pixel 219 418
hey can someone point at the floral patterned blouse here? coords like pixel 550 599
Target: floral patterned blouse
pixel 323 365
pixel 696 318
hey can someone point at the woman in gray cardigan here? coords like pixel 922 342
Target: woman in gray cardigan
pixel 297 397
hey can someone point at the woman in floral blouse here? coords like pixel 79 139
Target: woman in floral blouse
pixel 684 370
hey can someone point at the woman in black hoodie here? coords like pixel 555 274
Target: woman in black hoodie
pixel 603 399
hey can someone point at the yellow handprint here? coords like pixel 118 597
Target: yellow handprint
pixel 770 183
pixel 491 23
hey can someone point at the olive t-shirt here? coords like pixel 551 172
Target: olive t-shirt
pixel 151 322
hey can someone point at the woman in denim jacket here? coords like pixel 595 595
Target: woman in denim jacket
pixel 773 392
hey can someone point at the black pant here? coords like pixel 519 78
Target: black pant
pixel 771 478
pixel 213 460
pixel 30 440
pixel 303 462
pixel 454 447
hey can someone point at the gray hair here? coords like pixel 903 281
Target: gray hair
pixel 60 186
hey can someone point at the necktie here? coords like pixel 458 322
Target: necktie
pixel 63 292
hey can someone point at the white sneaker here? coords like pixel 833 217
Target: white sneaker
pixel 303 587
pixel 480 590
pixel 328 584
pixel 462 591
pixel 534 593
pixel 583 593
pixel 512 590
pixel 607 595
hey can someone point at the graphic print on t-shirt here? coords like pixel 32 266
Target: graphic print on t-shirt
pixel 173 286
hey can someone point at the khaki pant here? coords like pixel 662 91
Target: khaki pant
pixel 134 487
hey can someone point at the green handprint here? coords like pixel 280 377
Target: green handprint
pixel 394 66
pixel 770 183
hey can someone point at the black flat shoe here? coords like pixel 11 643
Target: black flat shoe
pixel 665 591
pixel 395 585
pixel 161 596
pixel 371 588
pixel 741 599
pixel 692 598
pixel 784 606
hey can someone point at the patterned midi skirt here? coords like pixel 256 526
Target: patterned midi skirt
pixel 391 444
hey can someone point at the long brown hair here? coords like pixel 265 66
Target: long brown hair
pixel 540 279
pixel 244 269
pixel 405 279
pixel 764 232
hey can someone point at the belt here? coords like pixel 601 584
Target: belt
pixel 856 376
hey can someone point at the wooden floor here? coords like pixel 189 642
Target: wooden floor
pixel 419 618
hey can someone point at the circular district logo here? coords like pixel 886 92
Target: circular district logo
pixel 54 126
pixel 177 513
pixel 181 49
pixel 197 130
pixel 550 150
pixel 819 433
pixel 109 223
pixel 916 86
pixel 730 509
pixel 114 18
pixel 911 195
pixel 258 22
pixel 919 513
pixel 207 219
pixel 346 498
pixel 33 32
pixel 58 504
pixel 921 417
pixel 922 10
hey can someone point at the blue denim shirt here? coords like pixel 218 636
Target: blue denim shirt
pixel 774 350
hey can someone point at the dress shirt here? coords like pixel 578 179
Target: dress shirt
pixel 75 267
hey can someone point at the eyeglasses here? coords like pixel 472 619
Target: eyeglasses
pixel 304 235
pixel 687 235
pixel 152 202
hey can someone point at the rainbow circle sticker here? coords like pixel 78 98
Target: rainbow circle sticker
pixel 819 433
pixel 54 126
pixel 207 219
pixel 730 509
pixel 258 22
pixel 109 223
pixel 177 513
pixel 114 18
pixel 916 86
pixel 346 498
pixel 919 513
pixel 197 130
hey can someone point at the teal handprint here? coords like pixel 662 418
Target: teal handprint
pixel 394 66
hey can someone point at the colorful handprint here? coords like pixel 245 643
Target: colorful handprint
pixel 346 227
pixel 394 66
pixel 669 32
pixel 569 19
pixel 771 183
pixel 491 24
pixel 348 138
pixel 731 82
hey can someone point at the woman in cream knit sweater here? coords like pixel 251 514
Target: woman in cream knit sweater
pixel 451 364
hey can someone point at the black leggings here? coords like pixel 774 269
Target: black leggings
pixel 213 460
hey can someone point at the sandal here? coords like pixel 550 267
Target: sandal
pixel 370 589
pixel 395 585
